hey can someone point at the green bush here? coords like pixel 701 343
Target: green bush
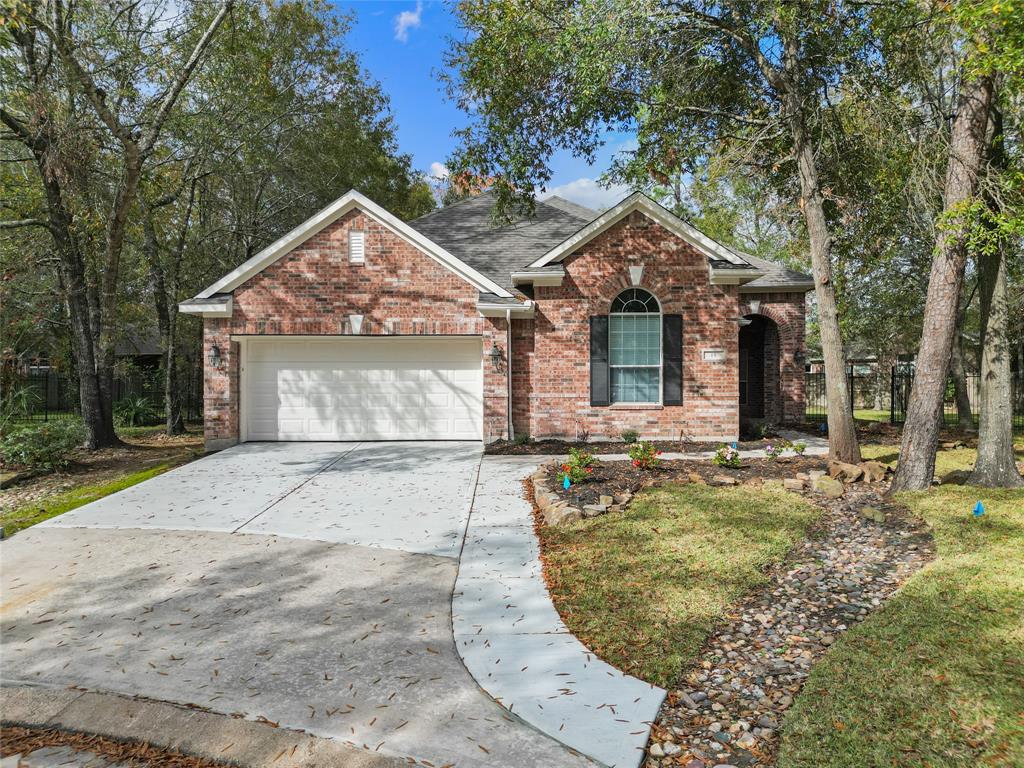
pixel 135 411
pixel 43 446
pixel 578 468
pixel 17 402
pixel 522 439
pixel 644 456
pixel 630 436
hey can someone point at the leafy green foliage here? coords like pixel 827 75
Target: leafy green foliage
pixel 726 456
pixel 45 446
pixel 644 455
pixel 629 436
pixel 135 411
pixel 578 467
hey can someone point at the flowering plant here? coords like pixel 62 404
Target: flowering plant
pixel 773 451
pixel 726 456
pixel 578 467
pixel 644 455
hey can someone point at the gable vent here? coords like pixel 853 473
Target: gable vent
pixel 356 246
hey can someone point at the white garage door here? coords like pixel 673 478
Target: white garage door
pixel 363 389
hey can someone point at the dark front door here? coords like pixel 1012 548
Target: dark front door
pixel 752 370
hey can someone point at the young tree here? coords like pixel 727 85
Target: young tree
pixel 539 75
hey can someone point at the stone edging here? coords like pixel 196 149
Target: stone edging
pixel 557 511
pixel 222 738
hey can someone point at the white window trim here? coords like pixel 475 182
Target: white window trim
pixel 661 353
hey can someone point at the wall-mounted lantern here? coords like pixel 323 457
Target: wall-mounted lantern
pixel 215 356
pixel 755 306
pixel 495 355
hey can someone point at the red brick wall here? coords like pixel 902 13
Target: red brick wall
pixel 312 291
pixel 551 366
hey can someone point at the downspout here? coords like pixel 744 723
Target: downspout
pixel 508 370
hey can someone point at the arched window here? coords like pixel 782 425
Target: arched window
pixel 634 347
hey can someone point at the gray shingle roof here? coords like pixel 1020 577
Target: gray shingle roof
pixel 467 230
pixel 775 275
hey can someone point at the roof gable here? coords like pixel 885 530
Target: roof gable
pixel 638 201
pixel 329 215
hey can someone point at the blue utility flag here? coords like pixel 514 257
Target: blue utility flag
pixel 979 509
pixel 566 483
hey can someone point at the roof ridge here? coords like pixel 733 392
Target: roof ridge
pixel 448 207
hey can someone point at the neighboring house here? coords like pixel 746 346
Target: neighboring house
pixel 358 326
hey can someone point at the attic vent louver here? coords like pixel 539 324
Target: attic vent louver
pixel 356 246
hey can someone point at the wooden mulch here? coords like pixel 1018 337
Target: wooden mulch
pixel 16 740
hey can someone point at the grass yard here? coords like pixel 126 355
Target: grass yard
pixel 936 677
pixel 20 518
pixel 642 589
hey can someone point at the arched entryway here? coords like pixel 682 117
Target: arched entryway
pixel 760 371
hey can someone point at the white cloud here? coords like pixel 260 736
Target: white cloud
pixel 407 20
pixel 438 170
pixel 590 193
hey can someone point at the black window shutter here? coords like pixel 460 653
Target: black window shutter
pixel 599 383
pixel 672 359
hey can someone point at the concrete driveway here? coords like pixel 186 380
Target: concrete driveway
pixel 307 584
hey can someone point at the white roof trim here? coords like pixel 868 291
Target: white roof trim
pixel 734 276
pixel 207 307
pixel 329 215
pixel 639 201
pixel 526 309
pixel 545 277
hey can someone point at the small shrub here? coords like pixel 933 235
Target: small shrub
pixel 767 430
pixel 726 456
pixel 43 446
pixel 522 439
pixel 582 433
pixel 17 403
pixel 644 456
pixel 578 468
pixel 135 411
pixel 630 436
pixel 799 448
pixel 772 451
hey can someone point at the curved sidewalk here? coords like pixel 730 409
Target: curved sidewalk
pixel 516 646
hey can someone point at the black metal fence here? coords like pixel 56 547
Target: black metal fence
pixel 42 395
pixel 871 401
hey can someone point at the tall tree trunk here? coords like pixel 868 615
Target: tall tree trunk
pixel 967 150
pixel 964 416
pixel 842 432
pixel 996 466
pixel 174 424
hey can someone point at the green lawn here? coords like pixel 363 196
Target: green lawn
pixel 644 588
pixel 23 517
pixel 936 677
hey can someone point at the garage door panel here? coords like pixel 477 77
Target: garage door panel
pixel 364 389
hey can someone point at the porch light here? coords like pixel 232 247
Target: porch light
pixel 755 306
pixel 215 356
pixel 495 355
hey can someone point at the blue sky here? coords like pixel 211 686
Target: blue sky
pixel 401 43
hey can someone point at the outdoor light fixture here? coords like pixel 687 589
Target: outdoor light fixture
pixel 755 306
pixel 495 355
pixel 215 356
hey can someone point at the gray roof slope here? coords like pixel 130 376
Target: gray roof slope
pixel 467 231
pixel 775 275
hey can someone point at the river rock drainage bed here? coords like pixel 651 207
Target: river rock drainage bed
pixel 727 710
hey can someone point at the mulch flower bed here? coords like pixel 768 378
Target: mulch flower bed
pixel 613 478
pixel 727 708
pixel 561 447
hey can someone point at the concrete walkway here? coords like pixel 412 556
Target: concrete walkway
pixel 516 646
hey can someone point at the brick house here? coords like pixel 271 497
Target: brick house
pixel 359 326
